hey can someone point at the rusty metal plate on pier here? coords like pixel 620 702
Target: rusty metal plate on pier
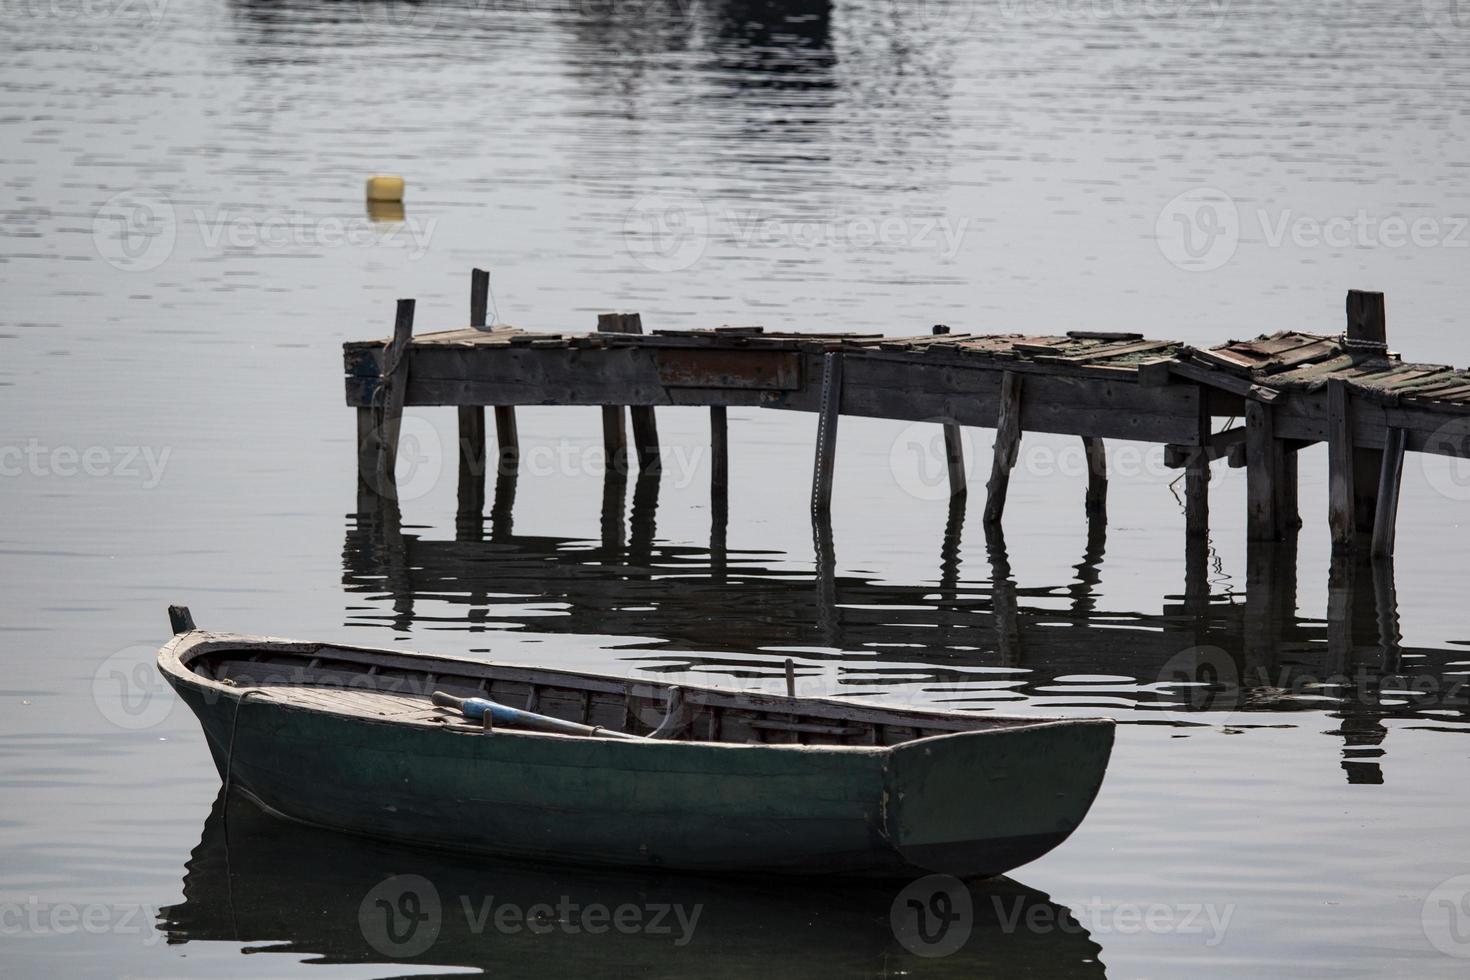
pixel 692 368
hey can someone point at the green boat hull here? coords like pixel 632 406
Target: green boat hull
pixel 970 803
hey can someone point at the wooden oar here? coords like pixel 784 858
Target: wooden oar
pixel 503 714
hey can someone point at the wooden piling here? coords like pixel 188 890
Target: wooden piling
pixel 1385 519
pixel 1007 447
pixel 507 438
pixel 471 461
pixel 1288 513
pixel 1367 465
pixel 1367 319
pixel 479 298
pixel 614 434
pixel 394 391
pixel 645 428
pixel 1197 497
pixel 719 442
pixel 826 453
pixel 367 456
pixel 1096 504
pixel 1340 469
pixel 645 438
pixel 1263 473
pixel 954 449
pixel 1366 335
pixel 954 456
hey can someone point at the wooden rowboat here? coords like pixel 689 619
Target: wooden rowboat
pixel 349 738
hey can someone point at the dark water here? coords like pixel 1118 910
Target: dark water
pixel 183 248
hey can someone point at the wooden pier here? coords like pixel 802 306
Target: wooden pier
pixel 1286 391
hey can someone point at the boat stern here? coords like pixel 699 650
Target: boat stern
pixel 975 804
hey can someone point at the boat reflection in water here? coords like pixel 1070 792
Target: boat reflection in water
pixel 285 888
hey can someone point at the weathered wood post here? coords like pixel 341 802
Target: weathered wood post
pixel 1197 473
pixel 1341 473
pixel 389 398
pixel 507 438
pixel 645 427
pixel 472 418
pixel 954 457
pixel 954 449
pixel 827 415
pixel 1385 520
pixel 1265 471
pixel 367 458
pixel 1366 335
pixel 719 481
pixel 614 435
pixel 1007 446
pixel 1096 504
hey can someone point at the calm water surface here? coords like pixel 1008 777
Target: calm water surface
pixel 184 248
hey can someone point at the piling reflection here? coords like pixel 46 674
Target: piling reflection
pixel 284 888
pixel 971 638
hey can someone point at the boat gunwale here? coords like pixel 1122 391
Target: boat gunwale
pixel 175 657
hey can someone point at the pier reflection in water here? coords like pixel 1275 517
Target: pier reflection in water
pixel 971 638
pixel 286 888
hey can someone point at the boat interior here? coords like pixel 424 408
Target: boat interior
pixel 398 688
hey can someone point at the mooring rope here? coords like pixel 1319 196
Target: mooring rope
pixel 225 807
pixel 230 755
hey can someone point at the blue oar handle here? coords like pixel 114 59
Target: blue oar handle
pixel 503 714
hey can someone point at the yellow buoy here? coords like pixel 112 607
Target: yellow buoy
pixel 385 188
